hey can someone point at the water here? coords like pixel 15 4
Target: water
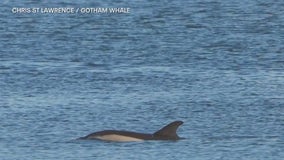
pixel 216 65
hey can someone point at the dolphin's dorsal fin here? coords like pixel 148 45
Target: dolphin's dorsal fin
pixel 169 131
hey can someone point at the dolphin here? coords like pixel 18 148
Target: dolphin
pixel 166 133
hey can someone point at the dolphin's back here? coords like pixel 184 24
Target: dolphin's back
pixel 166 133
pixel 112 133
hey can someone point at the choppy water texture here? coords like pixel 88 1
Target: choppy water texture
pixel 216 65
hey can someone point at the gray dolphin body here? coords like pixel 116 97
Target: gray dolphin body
pixel 166 133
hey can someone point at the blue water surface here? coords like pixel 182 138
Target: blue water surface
pixel 216 65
